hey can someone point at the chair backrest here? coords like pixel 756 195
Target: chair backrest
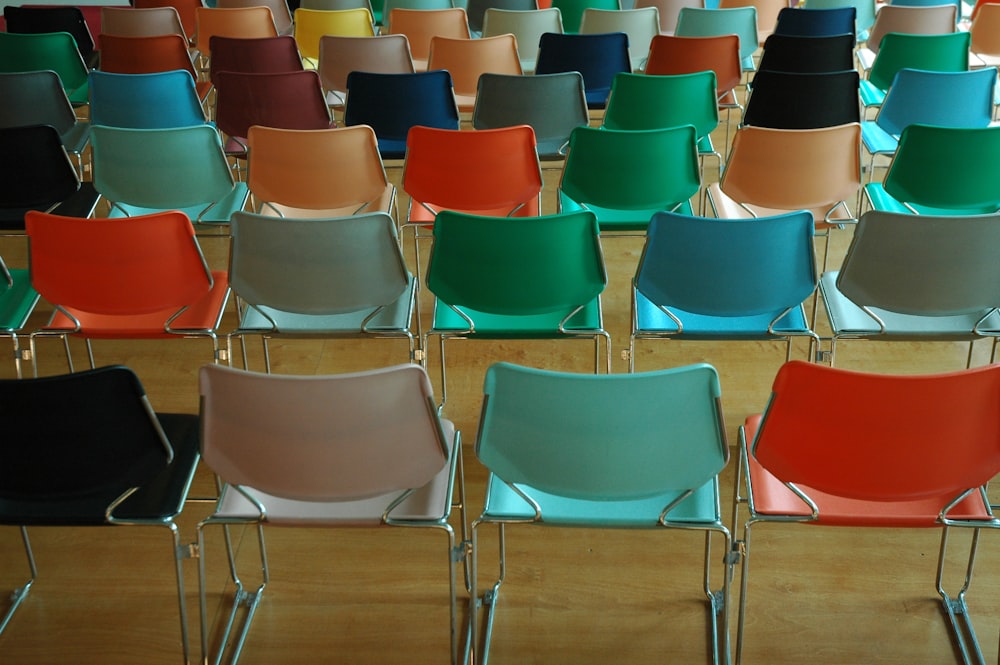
pixel 640 24
pixel 985 31
pixel 671 54
pixel 33 20
pixel 816 22
pixel 420 25
pixel 552 431
pixel 476 10
pixel 35 98
pixel 667 10
pixel 742 21
pixel 481 170
pixel 279 11
pixel 516 266
pixel 767 14
pixel 947 167
pixel 339 56
pixel 185 9
pixel 950 99
pixel 235 22
pixel 632 169
pixel 644 101
pixel 135 22
pixel 943 53
pixel 807 55
pixel 144 55
pixel 572 11
pixel 527 26
pixel 793 100
pixel 317 266
pixel 343 437
pixel 289 100
pixel 337 4
pixel 55 51
pixel 117 267
pixel 312 24
pixel 40 177
pixel 320 169
pixel 864 13
pixel 258 55
pixel 930 20
pixel 597 57
pixel 144 101
pixel 468 59
pixel 552 104
pixel 874 448
pixel 728 267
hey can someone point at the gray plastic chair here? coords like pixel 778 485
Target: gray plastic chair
pixel 333 277
pixel 526 26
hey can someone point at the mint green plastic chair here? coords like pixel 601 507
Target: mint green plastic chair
pixel 947 52
pixel 517 278
pixel 617 451
pixel 624 176
pixel 29 52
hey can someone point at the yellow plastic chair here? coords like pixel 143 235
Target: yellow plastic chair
pixel 420 25
pixel 312 24
pixel 468 59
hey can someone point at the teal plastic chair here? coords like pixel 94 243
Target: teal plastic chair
pixel 647 101
pixel 572 11
pixel 190 172
pixel 618 451
pixel 947 52
pixel 624 176
pixel 941 170
pixel 864 17
pixel 17 301
pixel 740 21
pixel 517 278
pixel 319 278
pixel 145 101
pixel 917 277
pixel 29 52
pixel 725 279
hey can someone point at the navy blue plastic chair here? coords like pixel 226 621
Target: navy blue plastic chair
pixel 598 57
pixel 144 101
pixel 816 22
pixel 393 103
pixel 725 279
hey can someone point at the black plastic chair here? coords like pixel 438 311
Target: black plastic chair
pixel 597 56
pixel 793 100
pixel 796 53
pixel 30 20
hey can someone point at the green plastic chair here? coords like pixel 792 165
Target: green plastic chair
pixel 572 11
pixel 740 21
pixel 646 101
pixel 947 52
pixel 17 301
pixel 941 170
pixel 619 451
pixel 624 176
pixel 47 50
pixel 517 278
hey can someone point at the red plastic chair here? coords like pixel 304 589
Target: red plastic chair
pixel 146 55
pixel 894 452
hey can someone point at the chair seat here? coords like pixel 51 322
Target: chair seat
pixel 729 208
pixel 203 315
pixel 652 320
pixel 621 220
pixel 219 213
pixel 17 301
pixel 446 320
pixel 384 202
pixel 701 508
pixel 772 497
pixel 882 200
pixel 430 503
pixel 870 94
pixel 847 319
pixel 876 140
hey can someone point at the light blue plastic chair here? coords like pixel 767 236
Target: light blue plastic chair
pixel 949 99
pixel 741 21
pixel 144 101
pixel 948 52
pixel 611 451
pixel 725 279
pixel 863 20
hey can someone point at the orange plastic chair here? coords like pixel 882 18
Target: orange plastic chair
pixel 146 55
pixel 237 22
pixel 318 173
pixel 340 55
pixel 132 22
pixel 185 9
pixel 985 34
pixel 467 59
pixel 279 11
pixel 312 24
pixel 767 13
pixel 420 25
pixel 138 277
pixel 910 451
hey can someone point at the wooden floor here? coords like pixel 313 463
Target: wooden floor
pixel 830 596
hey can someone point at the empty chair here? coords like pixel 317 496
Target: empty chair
pixel 667 11
pixel 527 26
pixel 248 22
pixel 319 278
pixel 468 59
pixel 186 9
pixel 135 22
pixel 740 21
pixel 340 55
pixel 930 20
pixel 55 51
pixel 144 55
pixel 253 55
pixel 767 14
pixel 641 25
pixel 793 100
pixel 421 25
pixel 984 31
pixel 572 11
pixel 476 11
pixel 816 22
pixel 597 57
pixel 312 24
pixel 145 101
pixel 864 16
pixel 17 303
pixel 339 4
pixel 279 11
pixel 48 19
pixel 807 54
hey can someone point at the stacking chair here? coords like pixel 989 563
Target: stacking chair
pixel 38 98
pixel 767 14
pixel 552 104
pixel 667 10
pixel 702 278
pixel 393 103
pixel 87 450
pixel 624 176
pixel 825 22
pixel 55 51
pixel 476 11
pixel 947 52
pixel 916 278
pixel 794 100
pixel 328 5
pixel 253 55
pixel 17 302
pixel 941 171
pixel 572 11
pixel 137 278
pixel 339 56
pixel 186 9
pixel 876 461
pixel 618 451
pixel 30 19
pixel 948 99
pixel 144 55
pixel 597 57
pixel 147 22
pixel 41 177
pixel 808 55
pixel 984 31
pixel 247 22
pixel 312 24
pixel 468 59
pixel 317 173
pixel 420 25
pixel 145 101
pixel 527 26
pixel 332 451
pixel 280 12
pixel 740 21
pixel 517 278
pixel 319 278
pixel 864 13
pixel 643 101
pixel 190 173
pixel 930 20
pixel 640 24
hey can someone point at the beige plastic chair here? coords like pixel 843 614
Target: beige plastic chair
pixel 668 10
pixel 527 28
pixel 985 33
pixel 312 24
pixel 238 22
pixel 186 9
pixel 279 11
pixel 340 55
pixel 914 20
pixel 420 25
pixel 767 14
pixel 134 22
pixel 641 25
pixel 317 173
pixel 467 59
pixel 358 450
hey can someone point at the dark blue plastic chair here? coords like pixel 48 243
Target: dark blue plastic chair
pixel 160 100
pixel 598 57
pixel 816 22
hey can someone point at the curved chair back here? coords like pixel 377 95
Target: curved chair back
pixel 985 34
pixel 245 22
pixel 640 24
pixel 597 57
pixel 421 25
pixel 36 98
pixel 808 54
pixel 947 52
pixel 254 55
pixel 144 55
pixel 476 10
pixel 289 100
pixel 864 13
pixel 279 11
pixel 49 19
pixel 144 101
pixel 642 101
pixel 340 55
pixel 56 51
pixel 741 21
pixel 767 14
pixel 671 54
pixel 468 59
pixel 816 22
pixel 572 11
pixel 936 19
pixel 136 22
pixel 185 9
pixel 312 24
pixel 667 11
pixel 527 26
pixel 949 99
pixel 792 100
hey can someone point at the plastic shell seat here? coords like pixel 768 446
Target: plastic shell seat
pixel 527 26
pixel 141 22
pixel 794 100
pixel 641 24
pixel 246 22
pixel 740 21
pixel 808 54
pixel 421 25
pixel 616 451
pixel 816 22
pixel 468 59
pixel 930 20
pixel 947 52
pixel 17 301
pixel 156 53
pixel 572 11
pixel 38 19
pixel 340 55
pixel 312 24
pixel 56 51
pixel 155 100
pixel 254 55
pixel 598 57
